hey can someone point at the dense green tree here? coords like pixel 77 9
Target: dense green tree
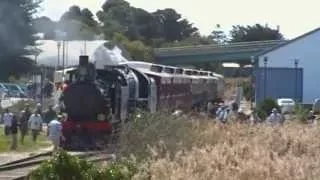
pixel 46 26
pixel 78 24
pixel 137 49
pixel 16 34
pixel 218 35
pixel 254 33
pixel 73 13
pixel 138 24
pixel 172 26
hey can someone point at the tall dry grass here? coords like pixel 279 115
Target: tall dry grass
pixel 230 86
pixel 180 148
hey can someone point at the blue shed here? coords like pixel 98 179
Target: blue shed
pixel 302 52
pixel 279 83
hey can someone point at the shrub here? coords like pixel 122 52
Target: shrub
pixel 160 129
pixel 266 106
pixel 121 170
pixel 301 113
pixel 67 167
pixel 247 90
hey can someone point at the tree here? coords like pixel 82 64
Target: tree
pixel 138 24
pixel 254 33
pixel 218 35
pixel 137 49
pixel 73 13
pixel 79 24
pixel 45 25
pixel 16 33
pixel 173 27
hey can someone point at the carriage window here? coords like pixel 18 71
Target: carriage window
pixel 156 68
pixel 169 70
pixel 188 72
pixel 179 71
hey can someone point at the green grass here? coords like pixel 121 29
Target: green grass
pixel 28 146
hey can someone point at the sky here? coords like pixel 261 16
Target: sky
pixel 295 17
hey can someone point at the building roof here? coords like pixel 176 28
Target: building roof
pixel 289 42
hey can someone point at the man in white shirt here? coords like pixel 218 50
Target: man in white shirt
pixel 35 124
pixel 7 120
pixel 55 132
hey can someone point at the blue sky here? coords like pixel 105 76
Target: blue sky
pixel 295 17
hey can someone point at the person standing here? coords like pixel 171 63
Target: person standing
pixel 23 123
pixel 14 132
pixel 35 124
pixel 7 120
pixel 210 109
pixel 55 132
pixel 39 108
pixel 275 117
pixel 49 115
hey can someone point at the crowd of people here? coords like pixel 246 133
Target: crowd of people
pixel 224 113
pixel 28 121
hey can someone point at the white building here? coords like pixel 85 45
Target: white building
pixel 306 49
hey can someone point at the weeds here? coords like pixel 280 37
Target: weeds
pixel 301 113
pixel 156 130
pixel 243 152
pixel 165 147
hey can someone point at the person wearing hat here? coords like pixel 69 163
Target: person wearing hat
pixel 54 132
pixel 275 117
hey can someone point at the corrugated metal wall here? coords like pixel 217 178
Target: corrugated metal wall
pixel 279 83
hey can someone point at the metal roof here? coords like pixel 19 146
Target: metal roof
pixel 289 42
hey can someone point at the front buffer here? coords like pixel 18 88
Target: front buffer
pixel 85 135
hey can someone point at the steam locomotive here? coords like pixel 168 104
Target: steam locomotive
pixel 96 99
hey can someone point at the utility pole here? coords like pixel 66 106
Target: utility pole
pixel 296 61
pixel 85 47
pixel 265 76
pixel 63 58
pixel 58 46
pixel 251 79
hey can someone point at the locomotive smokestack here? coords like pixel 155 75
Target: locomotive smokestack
pixel 83 60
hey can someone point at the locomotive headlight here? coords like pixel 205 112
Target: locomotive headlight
pixel 101 117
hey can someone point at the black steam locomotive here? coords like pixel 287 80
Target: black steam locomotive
pixel 96 100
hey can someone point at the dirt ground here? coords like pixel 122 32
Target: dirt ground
pixel 12 156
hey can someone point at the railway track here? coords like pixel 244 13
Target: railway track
pixel 21 168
